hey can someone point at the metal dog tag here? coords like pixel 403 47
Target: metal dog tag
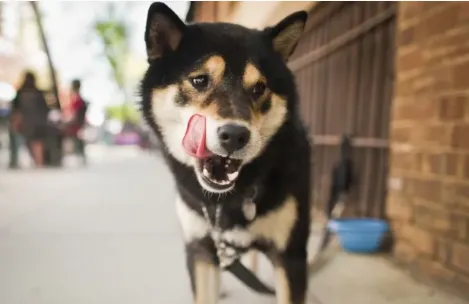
pixel 249 209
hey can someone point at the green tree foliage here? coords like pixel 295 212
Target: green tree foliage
pixel 113 33
pixel 123 113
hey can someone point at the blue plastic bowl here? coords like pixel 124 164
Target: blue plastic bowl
pixel 362 235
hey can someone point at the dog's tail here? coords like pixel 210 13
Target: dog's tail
pixel 326 236
pixel 248 278
pixel 341 184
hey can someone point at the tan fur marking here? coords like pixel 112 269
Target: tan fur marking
pixel 265 125
pixel 276 225
pixel 207 279
pixel 196 98
pixel 269 122
pixel 211 111
pixel 251 76
pixel 256 109
pixel 282 288
pixel 214 67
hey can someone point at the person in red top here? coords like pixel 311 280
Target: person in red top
pixel 75 125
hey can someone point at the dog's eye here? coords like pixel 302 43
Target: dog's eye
pixel 258 90
pixel 199 82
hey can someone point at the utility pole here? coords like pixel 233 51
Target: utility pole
pixel 55 88
pixel 54 143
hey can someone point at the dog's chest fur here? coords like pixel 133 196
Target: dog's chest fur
pixel 271 229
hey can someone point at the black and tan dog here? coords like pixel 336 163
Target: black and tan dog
pixel 224 104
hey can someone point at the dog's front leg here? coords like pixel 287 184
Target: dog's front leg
pixel 252 260
pixel 204 276
pixel 291 275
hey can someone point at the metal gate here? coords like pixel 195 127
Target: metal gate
pixel 344 67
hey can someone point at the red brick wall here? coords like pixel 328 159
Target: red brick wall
pixel 428 201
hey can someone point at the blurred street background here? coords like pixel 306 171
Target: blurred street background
pixel 98 44
pixel 86 202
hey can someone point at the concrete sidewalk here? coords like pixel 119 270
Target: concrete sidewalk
pixel 372 280
pixel 363 279
pixel 108 234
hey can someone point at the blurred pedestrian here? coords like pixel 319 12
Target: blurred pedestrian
pixel 13 139
pixel 29 117
pixel 75 126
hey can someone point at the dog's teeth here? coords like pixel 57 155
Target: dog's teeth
pixel 222 182
pixel 232 176
pixel 205 172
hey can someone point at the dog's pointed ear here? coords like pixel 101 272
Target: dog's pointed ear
pixel 164 31
pixel 286 34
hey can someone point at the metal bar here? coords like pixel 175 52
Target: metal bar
pixel 322 122
pixel 354 75
pixel 362 109
pixel 331 88
pixel 342 74
pixel 386 108
pixel 389 76
pixel 320 87
pixel 334 86
pixel 359 142
pixel 313 83
pixel 308 104
pixel 373 107
pixel 378 105
pixel 342 40
pixel 314 100
pixel 362 85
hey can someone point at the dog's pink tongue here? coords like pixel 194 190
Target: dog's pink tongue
pixel 194 139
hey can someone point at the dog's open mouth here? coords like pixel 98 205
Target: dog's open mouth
pixel 219 172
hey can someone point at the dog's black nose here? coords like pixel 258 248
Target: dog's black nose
pixel 233 137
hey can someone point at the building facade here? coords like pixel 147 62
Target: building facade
pixel 428 199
